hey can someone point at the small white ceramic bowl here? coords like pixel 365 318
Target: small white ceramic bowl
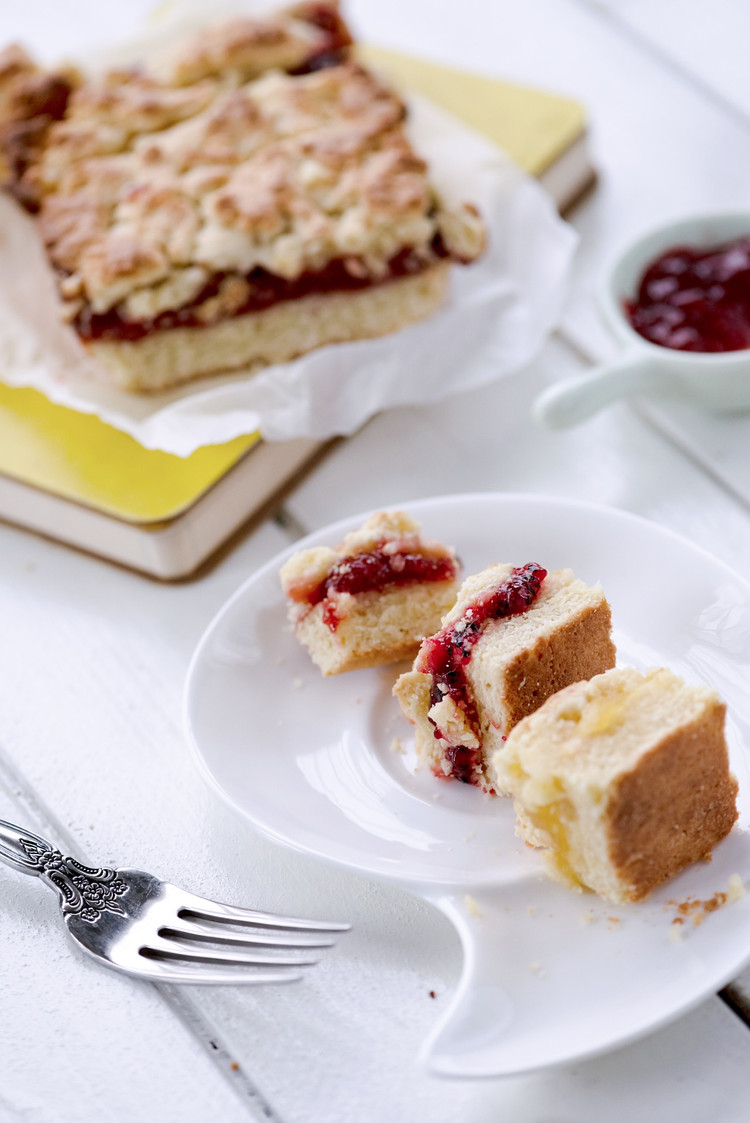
pixel 719 381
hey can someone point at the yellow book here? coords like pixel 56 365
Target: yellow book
pixel 70 476
pixel 544 133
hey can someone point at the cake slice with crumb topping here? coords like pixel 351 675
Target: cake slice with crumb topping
pixel 371 599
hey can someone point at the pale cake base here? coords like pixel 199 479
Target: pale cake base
pixel 274 335
pixel 378 628
pixel 518 663
pixel 624 781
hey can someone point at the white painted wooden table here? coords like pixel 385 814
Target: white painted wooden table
pixel 93 659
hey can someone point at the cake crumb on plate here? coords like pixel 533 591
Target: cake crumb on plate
pixel 699 910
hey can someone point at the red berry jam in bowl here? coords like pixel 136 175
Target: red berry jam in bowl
pixel 696 299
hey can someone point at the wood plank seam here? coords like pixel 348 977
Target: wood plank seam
pixel 657 426
pixel 737 1001
pixel 287 521
pixel 665 60
pixel 675 439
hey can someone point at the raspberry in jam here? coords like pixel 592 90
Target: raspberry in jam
pixel 375 571
pixel 445 655
pixel 693 299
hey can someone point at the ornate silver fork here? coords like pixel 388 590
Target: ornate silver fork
pixel 136 923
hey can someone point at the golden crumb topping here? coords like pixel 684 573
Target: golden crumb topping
pixel 248 46
pixel 222 159
pixel 30 101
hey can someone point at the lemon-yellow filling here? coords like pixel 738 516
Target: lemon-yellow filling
pixel 560 855
pixel 604 715
pixel 547 809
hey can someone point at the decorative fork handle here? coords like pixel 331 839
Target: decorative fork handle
pixel 25 851
pixel 84 890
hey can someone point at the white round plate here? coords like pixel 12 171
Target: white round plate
pixel 327 766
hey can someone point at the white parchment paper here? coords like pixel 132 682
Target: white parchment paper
pixel 499 312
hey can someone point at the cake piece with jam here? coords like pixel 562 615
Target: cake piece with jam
pixel 373 598
pixel 514 637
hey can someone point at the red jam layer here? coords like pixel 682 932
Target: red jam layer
pixel 373 572
pixel 693 299
pixel 446 654
pixel 334 52
pixel 266 289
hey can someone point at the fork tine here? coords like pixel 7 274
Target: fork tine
pixel 232 914
pixel 177 971
pixel 164 948
pixel 212 932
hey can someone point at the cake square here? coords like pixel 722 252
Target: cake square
pixel 514 637
pixel 371 599
pixel 243 199
pixel 623 780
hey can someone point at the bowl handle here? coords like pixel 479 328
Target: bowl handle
pixel 573 400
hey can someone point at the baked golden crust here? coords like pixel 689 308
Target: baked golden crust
pixel 579 648
pixel 164 192
pixel 674 807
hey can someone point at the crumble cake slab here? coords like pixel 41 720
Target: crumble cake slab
pixel 255 171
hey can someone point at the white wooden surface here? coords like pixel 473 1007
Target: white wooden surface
pixel 92 659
